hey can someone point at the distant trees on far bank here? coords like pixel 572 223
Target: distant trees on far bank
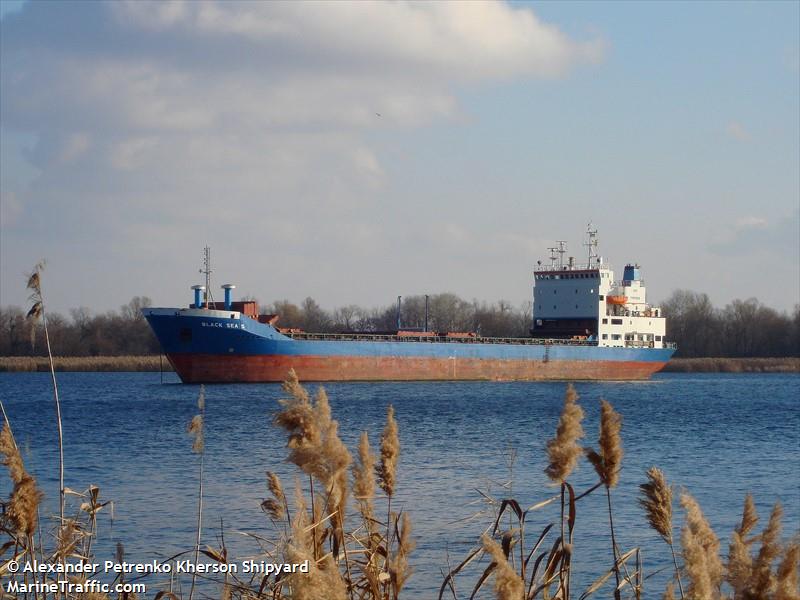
pixel 83 334
pixel 446 312
pixel 743 328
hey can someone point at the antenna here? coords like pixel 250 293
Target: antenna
pixel 553 256
pixel 562 250
pixel 206 270
pixel 591 243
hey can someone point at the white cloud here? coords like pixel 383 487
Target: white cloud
pixel 757 236
pixel 175 124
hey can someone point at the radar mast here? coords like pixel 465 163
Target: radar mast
pixel 591 245
pixel 206 270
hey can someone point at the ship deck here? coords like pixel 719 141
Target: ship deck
pixel 439 339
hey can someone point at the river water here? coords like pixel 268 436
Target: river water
pixel 719 436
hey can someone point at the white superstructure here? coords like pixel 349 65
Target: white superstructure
pixel 585 301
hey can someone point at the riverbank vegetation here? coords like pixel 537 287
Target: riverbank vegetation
pixel 340 521
pixel 742 329
pixel 158 363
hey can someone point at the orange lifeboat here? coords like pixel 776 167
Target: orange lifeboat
pixel 616 299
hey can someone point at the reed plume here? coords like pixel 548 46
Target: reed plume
pixel 508 584
pixel 607 462
pixel 275 507
pixel 399 570
pixel 314 442
pixel 657 503
pixel 37 313
pixel 563 450
pixel 740 561
pixel 749 516
pixel 316 449
pixel 390 452
pixel 23 504
pixel 787 579
pixel 323 581
pixel 195 429
pixel 669 593
pixel 701 553
pixel 364 476
pixel 740 565
pixel 762 580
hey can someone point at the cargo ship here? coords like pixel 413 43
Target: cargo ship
pixel 586 325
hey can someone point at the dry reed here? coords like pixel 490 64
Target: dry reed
pixel 657 503
pixel 786 587
pixel 390 451
pixel 196 430
pixel 607 463
pixel 276 507
pixel 740 561
pixel 762 580
pixel 23 504
pixel 733 365
pixel 364 480
pixel 669 593
pixel 608 460
pixel 37 313
pixel 314 441
pixel 508 584
pixel 563 451
pixel 399 569
pixel 85 363
pixel 323 581
pixel 749 516
pixel 701 553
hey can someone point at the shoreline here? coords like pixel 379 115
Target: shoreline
pixel 156 363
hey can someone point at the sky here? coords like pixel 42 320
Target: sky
pixel 354 152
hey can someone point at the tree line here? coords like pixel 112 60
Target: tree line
pixel 743 328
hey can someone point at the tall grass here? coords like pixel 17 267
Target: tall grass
pixel 733 365
pixel 84 363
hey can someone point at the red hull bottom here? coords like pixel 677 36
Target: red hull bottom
pixel 209 368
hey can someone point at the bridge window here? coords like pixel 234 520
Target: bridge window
pixel 605 321
pixel 616 321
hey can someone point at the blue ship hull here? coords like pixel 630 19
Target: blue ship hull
pixel 221 346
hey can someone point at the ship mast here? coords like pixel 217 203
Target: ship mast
pixel 206 270
pixel 562 250
pixel 591 244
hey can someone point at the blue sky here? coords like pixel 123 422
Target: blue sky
pixel 354 152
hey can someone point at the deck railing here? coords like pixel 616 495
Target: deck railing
pixel 436 339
